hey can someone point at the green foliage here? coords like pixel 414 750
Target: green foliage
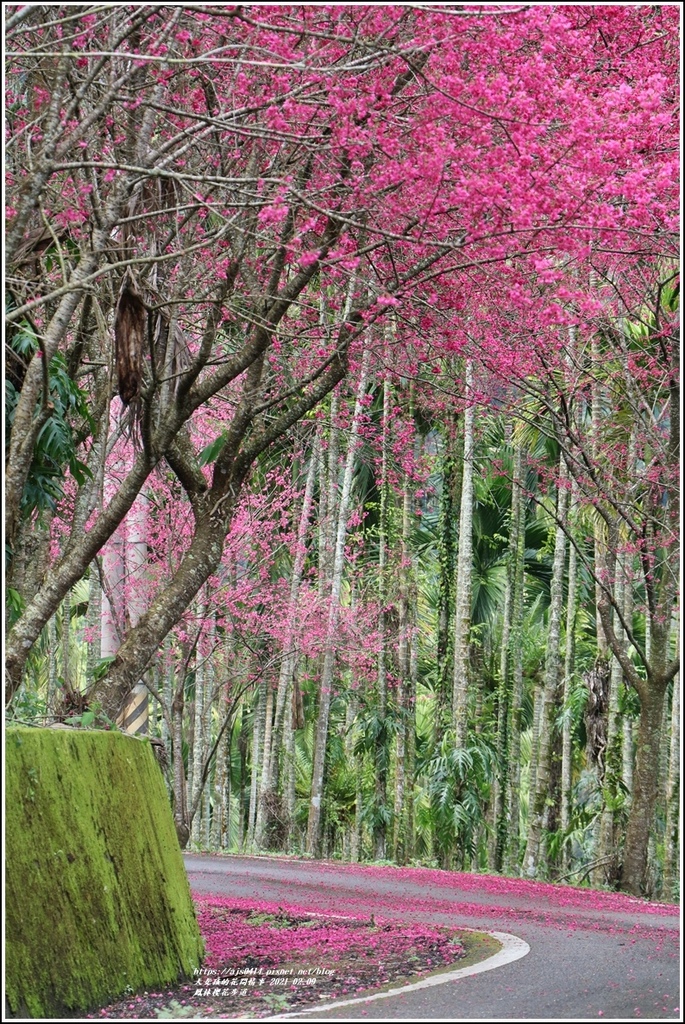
pixel 55 452
pixel 100 670
pixel 574 708
pixel 212 451
pixel 92 718
pixel 629 702
pixel 374 729
pixel 27 708
pixel 174 1011
pixel 457 789
pixel 341 783
pixel 276 1001
pixel 258 918
pixel 14 605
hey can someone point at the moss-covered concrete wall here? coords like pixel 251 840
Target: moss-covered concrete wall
pixel 97 898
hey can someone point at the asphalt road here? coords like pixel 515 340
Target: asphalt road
pixel 603 959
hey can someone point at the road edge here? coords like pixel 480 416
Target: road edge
pixel 513 948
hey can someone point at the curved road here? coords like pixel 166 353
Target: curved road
pixel 592 955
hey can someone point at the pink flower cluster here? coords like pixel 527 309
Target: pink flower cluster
pixel 235 929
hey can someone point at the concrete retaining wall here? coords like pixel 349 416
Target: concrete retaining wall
pixel 97 899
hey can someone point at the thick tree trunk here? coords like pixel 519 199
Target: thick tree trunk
pixel 671 877
pixel 81 547
pixel 72 565
pixel 30 560
pixel 200 560
pixel 660 670
pixel 645 789
pixel 212 508
pixel 27 424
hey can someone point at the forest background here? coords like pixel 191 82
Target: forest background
pixel 342 421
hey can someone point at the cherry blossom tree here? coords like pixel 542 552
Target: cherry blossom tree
pixel 212 213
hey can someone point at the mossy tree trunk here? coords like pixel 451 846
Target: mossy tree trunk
pixel 645 789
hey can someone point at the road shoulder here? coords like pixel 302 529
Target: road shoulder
pixel 512 948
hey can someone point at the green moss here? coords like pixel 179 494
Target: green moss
pixel 97 898
pixel 477 946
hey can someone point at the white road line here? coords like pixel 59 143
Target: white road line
pixel 512 949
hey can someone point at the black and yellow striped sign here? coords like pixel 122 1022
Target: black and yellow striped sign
pixel 134 714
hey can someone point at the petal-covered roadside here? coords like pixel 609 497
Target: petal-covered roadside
pixel 264 957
